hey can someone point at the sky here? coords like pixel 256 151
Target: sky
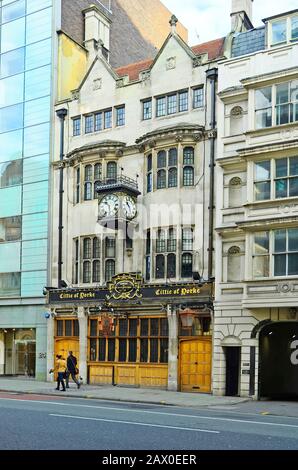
pixel 210 19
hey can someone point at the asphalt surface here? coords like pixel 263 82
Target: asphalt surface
pixel 32 422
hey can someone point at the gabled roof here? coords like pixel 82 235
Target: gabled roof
pixel 214 49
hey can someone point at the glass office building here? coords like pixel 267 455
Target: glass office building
pixel 25 114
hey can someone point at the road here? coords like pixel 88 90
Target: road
pixel 32 422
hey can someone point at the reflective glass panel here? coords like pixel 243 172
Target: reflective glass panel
pixel 11 146
pixel 13 11
pixel 279 31
pixel 36 140
pixel 261 245
pixel 38 54
pixel 33 283
pixel 293 239
pixel 35 226
pixel 10 285
pixel 36 169
pixel 295 27
pixel 37 83
pixel 263 98
pixel 34 255
pixel 10 229
pixel 37 111
pixel 35 197
pixel 11 173
pixel 11 90
pixel 281 167
pixel 34 5
pixel 10 255
pixel 280 238
pixel 12 62
pixel 13 35
pixel 39 26
pixel 11 118
pixel 10 201
pixel 262 171
pixel 280 265
pixel 294 166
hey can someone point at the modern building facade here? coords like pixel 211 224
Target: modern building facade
pixel 32 57
pixel 256 316
pixel 136 307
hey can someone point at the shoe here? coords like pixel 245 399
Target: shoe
pixel 57 389
pixel 79 386
pixel 63 390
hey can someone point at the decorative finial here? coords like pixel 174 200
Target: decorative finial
pixel 173 22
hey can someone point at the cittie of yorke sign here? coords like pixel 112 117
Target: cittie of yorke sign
pixel 128 287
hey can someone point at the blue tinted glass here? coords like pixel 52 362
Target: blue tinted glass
pixel 35 197
pixel 33 283
pixel 10 256
pixel 10 201
pixel 11 118
pixel 35 226
pixel 38 54
pixel 36 169
pixel 13 35
pixel 11 90
pixel 33 5
pixel 280 237
pixel 36 140
pixel 39 26
pixel 11 173
pixel 37 83
pixel 11 146
pixel 12 62
pixel 34 255
pixel 37 111
pixel 13 11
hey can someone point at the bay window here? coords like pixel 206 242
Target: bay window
pixel 276 179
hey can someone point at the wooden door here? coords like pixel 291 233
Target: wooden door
pixel 64 345
pixel 195 365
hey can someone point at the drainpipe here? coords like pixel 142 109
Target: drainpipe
pixel 61 113
pixel 212 75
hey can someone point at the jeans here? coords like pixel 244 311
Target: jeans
pixel 60 380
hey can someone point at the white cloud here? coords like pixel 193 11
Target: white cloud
pixel 210 19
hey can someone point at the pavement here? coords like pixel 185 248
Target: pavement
pixel 122 394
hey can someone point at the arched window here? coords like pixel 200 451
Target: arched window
pixel 160 267
pixel 149 174
pixel 234 264
pixel 171 266
pixel 86 272
pixel 161 241
pixel 110 269
pixel 172 240
pixel 173 157
pixel 187 265
pixel 78 185
pixel 235 192
pixel 96 247
pixel 161 179
pixel 97 176
pixel 173 178
pixel 188 156
pixel 188 176
pixel 112 171
pixel 88 183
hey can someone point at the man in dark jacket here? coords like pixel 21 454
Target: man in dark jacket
pixel 72 369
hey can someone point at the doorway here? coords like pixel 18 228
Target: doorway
pixel 233 356
pixel 195 365
pixel 25 358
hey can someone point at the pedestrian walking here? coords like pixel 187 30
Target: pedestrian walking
pixel 60 368
pixel 72 369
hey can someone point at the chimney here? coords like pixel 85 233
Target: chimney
pixel 97 32
pixel 241 15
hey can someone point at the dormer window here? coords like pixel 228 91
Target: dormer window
pixel 283 30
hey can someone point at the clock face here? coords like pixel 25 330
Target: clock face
pixel 109 205
pixel 129 207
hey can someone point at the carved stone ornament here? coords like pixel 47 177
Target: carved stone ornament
pixel 97 84
pixel 236 181
pixel 152 143
pixel 102 154
pixel 119 153
pixel 145 76
pixel 198 136
pixel 171 63
pixel 179 138
pixel 120 83
pixel 197 61
pixel 234 250
pixel 237 111
pixel 285 288
pixel 75 94
pixel 141 148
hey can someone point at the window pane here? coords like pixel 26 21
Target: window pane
pixel 161 107
pixel 262 191
pixel 11 146
pixel 87 248
pixel 187 270
pixel 39 26
pixel 173 178
pixel 280 265
pixel 172 104
pixel 38 83
pixel 281 188
pixel 293 264
pixel 93 327
pixel 33 5
pixel 147 109
pixel 145 327
pixel 183 101
pixel 13 11
pixel 293 239
pixel 154 322
pixel 293 187
pixel 294 166
pixel 171 266
pixel 161 179
pixel 98 122
pixel 11 90
pixel 263 98
pixel 282 93
pixel 93 353
pixel 284 114
pixel 149 182
pixel 111 349
pixel 96 271
pixel 108 119
pixel 133 325
pixel 68 327
pixel 188 156
pixel 11 118
pixel 144 350
pixel 261 244
pixel 161 159
pixel 264 118
pixel 76 126
pixel 153 350
pixel 132 353
pixel 12 62
pixel 76 328
pixel 173 157
pixel 89 124
pixel 110 247
pixel 37 111
pixel 122 350
pixel 102 349
pixel 295 27
pixel 280 240
pixel 164 348
pixel 112 170
pixel 279 31
pixel 160 267
pixel 188 176
pixel 281 168
pixel 120 116
pixel 164 327
pixel 262 171
pixel 187 239
pixel 60 328
pixel 198 98
pixel 123 327
pixel 86 272
pixel 88 192
pixel 261 266
pixel 13 35
pixel 38 54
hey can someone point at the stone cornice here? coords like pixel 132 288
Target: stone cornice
pixel 257 80
pixel 268 224
pixel 266 148
pixel 178 132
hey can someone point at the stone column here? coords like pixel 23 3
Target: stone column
pixel 50 347
pixel 173 349
pixel 2 354
pixel 83 325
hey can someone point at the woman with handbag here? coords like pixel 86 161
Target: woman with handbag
pixel 60 368
pixel 72 369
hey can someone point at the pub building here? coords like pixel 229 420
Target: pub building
pixel 132 225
